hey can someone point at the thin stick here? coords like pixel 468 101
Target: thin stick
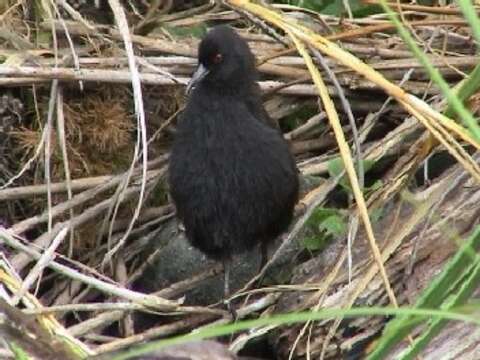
pixel 109 288
pixel 103 306
pixel 22 192
pixel 21 260
pixel 41 264
pixel 122 24
pixel 66 164
pixel 48 129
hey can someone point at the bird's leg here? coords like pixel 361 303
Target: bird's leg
pixel 226 278
pixel 227 262
pixel 264 254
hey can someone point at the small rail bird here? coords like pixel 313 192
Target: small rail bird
pixel 232 177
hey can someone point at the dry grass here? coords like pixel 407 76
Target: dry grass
pixel 101 134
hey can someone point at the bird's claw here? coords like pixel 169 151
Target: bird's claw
pixel 231 309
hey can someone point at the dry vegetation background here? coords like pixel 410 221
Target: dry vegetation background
pixel 71 175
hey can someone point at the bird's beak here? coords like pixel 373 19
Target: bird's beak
pixel 199 74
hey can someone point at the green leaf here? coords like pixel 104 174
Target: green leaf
pixel 375 214
pixel 313 243
pixel 324 225
pixel 334 225
pixel 335 7
pixel 321 214
pixel 335 168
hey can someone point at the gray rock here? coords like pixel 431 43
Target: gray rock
pixel 178 261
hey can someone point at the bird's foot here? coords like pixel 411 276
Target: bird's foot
pixel 231 309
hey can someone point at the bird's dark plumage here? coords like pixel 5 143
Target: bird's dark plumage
pixel 232 176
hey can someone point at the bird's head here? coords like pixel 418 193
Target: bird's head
pixel 224 60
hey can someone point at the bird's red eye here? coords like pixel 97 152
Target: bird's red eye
pixel 217 58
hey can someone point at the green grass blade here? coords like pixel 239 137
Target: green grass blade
pixel 284 319
pixel 466 290
pixel 434 74
pixel 470 14
pixel 18 352
pixel 466 88
pixel 432 297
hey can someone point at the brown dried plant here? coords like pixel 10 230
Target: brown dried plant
pixel 99 135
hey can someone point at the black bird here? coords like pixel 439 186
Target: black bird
pixel 232 177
